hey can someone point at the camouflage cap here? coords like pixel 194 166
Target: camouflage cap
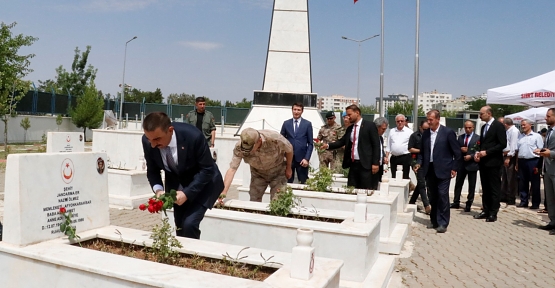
pixel 249 136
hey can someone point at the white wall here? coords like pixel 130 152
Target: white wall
pixel 39 125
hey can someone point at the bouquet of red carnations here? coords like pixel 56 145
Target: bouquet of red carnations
pixel 160 203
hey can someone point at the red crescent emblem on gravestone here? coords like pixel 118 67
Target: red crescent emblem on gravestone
pixel 311 268
pixel 67 170
pixel 68 138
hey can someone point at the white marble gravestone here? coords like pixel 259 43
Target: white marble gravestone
pixel 37 185
pixel 65 142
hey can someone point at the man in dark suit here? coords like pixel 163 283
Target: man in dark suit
pixel 299 132
pixel 381 124
pixel 493 140
pixel 468 167
pixel 439 158
pixel 362 149
pixel 181 151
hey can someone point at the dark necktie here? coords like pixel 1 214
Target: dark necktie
pixel 169 160
pixel 296 126
pixel 354 141
pixel 547 137
pixel 466 141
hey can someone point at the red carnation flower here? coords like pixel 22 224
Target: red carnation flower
pixel 151 209
pixel 316 140
pixel 413 156
pixel 142 207
pixel 62 210
pixel 477 142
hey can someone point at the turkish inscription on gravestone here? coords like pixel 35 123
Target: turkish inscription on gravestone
pixel 68 197
pixel 65 142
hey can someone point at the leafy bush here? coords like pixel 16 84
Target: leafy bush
pixel 284 201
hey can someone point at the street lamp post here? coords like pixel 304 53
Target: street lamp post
pixel 416 69
pixel 123 85
pixel 358 77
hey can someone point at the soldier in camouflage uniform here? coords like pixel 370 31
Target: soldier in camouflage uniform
pixel 327 134
pixel 269 155
pixel 203 120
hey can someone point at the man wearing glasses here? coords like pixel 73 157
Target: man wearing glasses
pixel 397 146
pixel 269 155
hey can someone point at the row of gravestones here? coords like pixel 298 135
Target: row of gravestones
pixel 38 185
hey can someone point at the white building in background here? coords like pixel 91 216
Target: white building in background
pixel 390 100
pixel 428 99
pixel 335 102
pixel 458 104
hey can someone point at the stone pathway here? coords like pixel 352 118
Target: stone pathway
pixel 511 252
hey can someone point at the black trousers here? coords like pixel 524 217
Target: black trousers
pixel 509 183
pixel 359 177
pixel 403 160
pixel 302 172
pixel 187 219
pixel 528 181
pixel 420 189
pixel 377 178
pixel 461 175
pixel 491 186
pixel 438 190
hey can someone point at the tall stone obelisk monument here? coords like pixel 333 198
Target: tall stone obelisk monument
pixel 287 75
pixel 288 62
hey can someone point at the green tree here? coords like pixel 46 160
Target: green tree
pixel 74 81
pixel 181 99
pixel 13 67
pixel 367 109
pixel 136 95
pixel 59 120
pixel 449 113
pixel 243 103
pixel 89 111
pixel 405 108
pixel 25 124
pixel 498 109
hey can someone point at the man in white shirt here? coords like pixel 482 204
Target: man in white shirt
pixel 397 146
pixel 509 182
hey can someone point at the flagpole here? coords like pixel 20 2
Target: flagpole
pixel 416 60
pixel 381 109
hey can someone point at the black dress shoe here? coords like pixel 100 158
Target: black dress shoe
pixel 552 232
pixel 482 215
pixel 522 205
pixel 467 209
pixel 432 226
pixel 535 207
pixel 455 206
pixel 491 219
pixel 547 227
pixel 441 229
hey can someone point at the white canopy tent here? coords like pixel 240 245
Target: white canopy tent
pixel 537 92
pixel 536 114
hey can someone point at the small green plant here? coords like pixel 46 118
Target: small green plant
pixel 25 124
pixel 320 181
pixel 43 138
pixel 66 227
pixel 164 243
pixel 349 189
pixel 284 201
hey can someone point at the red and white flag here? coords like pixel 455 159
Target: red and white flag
pixel 355 1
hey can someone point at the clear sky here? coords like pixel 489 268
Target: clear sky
pixel 217 48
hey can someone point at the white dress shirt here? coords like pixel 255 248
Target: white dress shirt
pixel 527 143
pixel 433 136
pixel 173 148
pixel 355 143
pixel 512 140
pixel 398 141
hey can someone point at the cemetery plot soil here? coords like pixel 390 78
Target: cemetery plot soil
pixel 296 216
pixel 241 270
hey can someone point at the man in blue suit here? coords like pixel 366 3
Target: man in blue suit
pixel 468 167
pixel 299 132
pixel 181 151
pixel 439 157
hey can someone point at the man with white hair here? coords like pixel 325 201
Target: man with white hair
pixel 528 172
pixel 397 146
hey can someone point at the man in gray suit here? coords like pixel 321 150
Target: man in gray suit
pixel 549 170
